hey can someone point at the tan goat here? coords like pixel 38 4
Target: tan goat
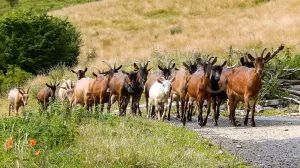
pixel 17 98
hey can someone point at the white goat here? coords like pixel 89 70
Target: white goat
pixel 17 98
pixel 66 90
pixel 159 94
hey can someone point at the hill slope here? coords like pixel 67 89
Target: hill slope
pixel 132 30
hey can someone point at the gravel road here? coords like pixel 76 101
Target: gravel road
pixel 274 142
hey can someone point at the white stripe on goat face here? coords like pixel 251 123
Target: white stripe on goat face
pixel 166 86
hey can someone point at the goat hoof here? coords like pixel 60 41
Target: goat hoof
pixel 253 124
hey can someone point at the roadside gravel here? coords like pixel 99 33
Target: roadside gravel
pixel 274 142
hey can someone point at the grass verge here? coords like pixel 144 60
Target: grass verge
pixel 66 138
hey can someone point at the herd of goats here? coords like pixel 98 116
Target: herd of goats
pixel 191 83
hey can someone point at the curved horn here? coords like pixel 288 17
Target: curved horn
pixel 262 53
pixel 224 63
pixel 107 64
pixel 210 59
pixel 28 89
pixel 97 69
pixel 170 63
pixel 147 63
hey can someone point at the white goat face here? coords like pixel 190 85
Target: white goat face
pixel 167 86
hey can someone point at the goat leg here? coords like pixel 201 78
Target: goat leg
pixel 183 114
pixel 170 106
pixel 246 98
pixel 208 110
pixel 214 102
pixel 200 119
pixel 255 98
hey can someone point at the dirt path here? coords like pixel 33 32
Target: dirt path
pixel 275 142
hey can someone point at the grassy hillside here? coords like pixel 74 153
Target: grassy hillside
pixel 37 5
pixel 130 30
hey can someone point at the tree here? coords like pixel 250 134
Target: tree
pixel 35 43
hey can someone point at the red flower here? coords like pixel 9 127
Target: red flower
pixel 8 144
pixel 32 142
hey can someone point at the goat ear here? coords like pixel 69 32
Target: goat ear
pixel 214 61
pixel 94 74
pixel 136 67
pixel 242 61
pixel 250 57
pixel 185 65
pixel 74 71
pixel 224 63
pixel 64 88
pixel 173 66
pixel 85 69
pixel 172 80
pixel 119 67
pixel 21 91
pixel 159 80
pixel 149 69
pixel 57 84
pixel 176 69
pixel 160 68
pixel 124 72
pixel 267 57
pixel 49 86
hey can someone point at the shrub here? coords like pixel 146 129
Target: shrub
pixel 36 42
pixel 14 77
pixel 175 30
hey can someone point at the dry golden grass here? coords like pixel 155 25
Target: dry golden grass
pixel 125 31
pixel 129 30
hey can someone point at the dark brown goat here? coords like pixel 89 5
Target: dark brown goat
pixel 198 88
pixel 101 84
pixel 141 72
pixel 80 73
pixel 245 83
pixel 165 72
pixel 46 93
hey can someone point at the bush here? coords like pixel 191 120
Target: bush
pixel 13 77
pixel 35 42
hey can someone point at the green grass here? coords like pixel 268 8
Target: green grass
pixel 81 139
pixel 38 5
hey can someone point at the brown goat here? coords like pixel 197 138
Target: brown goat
pixel 46 93
pixel 101 84
pixel 179 86
pixel 198 88
pixel 245 83
pixel 17 98
pixel 120 89
pixel 140 73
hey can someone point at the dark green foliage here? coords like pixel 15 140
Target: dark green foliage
pixel 35 42
pixel 14 77
pixel 274 71
pixel 257 2
pixel 175 30
pixel 12 3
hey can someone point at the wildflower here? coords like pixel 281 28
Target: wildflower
pixel 8 144
pixel 32 142
pixel 37 152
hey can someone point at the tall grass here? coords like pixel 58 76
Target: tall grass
pixel 78 138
